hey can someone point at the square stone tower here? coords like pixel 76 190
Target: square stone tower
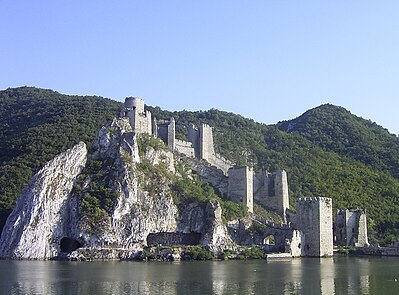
pixel 240 187
pixel 314 219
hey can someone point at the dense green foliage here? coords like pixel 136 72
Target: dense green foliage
pixel 36 125
pixel 94 190
pixel 327 152
pixel 335 129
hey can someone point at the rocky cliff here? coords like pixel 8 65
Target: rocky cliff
pixel 111 198
pixel 37 222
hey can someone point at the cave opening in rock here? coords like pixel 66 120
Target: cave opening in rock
pixel 68 245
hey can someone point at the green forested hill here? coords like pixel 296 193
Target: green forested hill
pixel 335 129
pixel 36 124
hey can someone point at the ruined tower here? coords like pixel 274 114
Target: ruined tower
pixel 139 118
pixel 165 130
pixel 271 190
pixel 240 186
pixel 314 219
pixel 207 151
pixel 351 228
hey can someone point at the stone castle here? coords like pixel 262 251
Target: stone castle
pixel 269 189
pixel 308 232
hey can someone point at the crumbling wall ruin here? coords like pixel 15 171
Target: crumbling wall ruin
pixel 351 228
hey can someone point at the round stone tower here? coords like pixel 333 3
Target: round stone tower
pixel 134 103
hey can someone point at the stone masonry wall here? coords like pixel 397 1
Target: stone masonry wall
pixel 240 187
pixel 351 228
pixel 271 190
pixel 174 238
pixel 207 151
pixel 172 134
pixel 326 227
pixel 184 147
pixel 221 163
pixel 314 219
pixel 362 232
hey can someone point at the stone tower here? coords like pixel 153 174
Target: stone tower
pixel 240 186
pixel 351 228
pixel 165 130
pixel 314 219
pixel 271 190
pixel 207 151
pixel 139 118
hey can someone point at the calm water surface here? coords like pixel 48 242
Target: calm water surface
pixel 342 275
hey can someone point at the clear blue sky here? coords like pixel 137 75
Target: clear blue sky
pixel 269 60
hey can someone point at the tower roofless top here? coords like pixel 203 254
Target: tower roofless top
pixel 134 103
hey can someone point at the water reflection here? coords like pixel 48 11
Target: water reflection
pixel 300 276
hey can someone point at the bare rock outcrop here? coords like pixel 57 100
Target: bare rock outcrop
pixel 37 219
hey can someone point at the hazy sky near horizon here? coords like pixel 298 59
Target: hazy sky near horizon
pixel 269 60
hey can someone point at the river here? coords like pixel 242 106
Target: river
pixel 338 275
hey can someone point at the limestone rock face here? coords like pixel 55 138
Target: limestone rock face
pixel 215 237
pixel 207 220
pixel 137 213
pixel 42 208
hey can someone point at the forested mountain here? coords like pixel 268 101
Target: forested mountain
pixel 335 129
pixel 37 124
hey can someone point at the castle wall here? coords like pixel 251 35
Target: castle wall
pixel 174 239
pixel 193 137
pixel 294 245
pixel 314 219
pixel 340 228
pixel 351 227
pixel 362 239
pixel 184 147
pixel 240 186
pixel 166 130
pixel 220 162
pixel 162 132
pixel 209 174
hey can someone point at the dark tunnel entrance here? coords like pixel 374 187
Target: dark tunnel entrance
pixel 68 245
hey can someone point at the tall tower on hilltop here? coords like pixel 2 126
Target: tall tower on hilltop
pixel 314 219
pixel 139 118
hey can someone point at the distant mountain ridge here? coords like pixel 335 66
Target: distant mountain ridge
pixel 327 151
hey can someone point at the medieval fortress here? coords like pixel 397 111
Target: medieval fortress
pixel 308 232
